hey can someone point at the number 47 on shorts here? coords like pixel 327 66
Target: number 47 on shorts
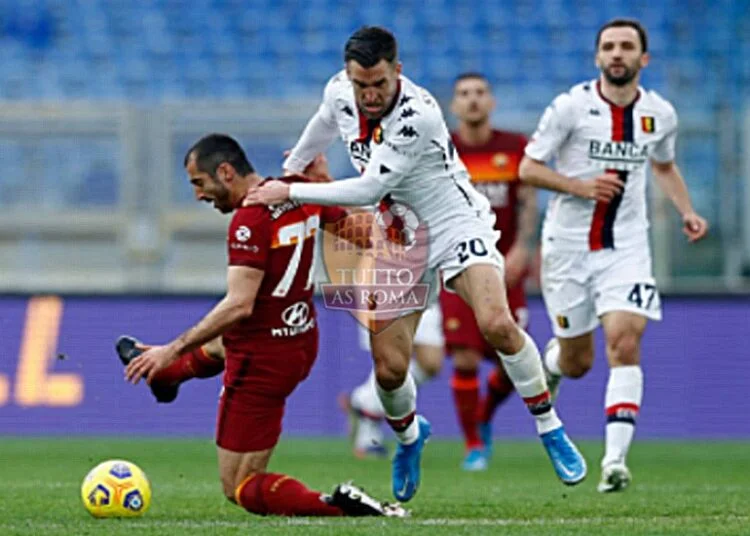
pixel 642 295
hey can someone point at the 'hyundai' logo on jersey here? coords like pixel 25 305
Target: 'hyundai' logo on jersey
pixel 296 315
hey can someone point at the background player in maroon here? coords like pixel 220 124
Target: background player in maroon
pixel 270 335
pixel 492 157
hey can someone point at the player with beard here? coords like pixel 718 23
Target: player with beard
pixel 596 263
pixel 269 331
pixel 396 135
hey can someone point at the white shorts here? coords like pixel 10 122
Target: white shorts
pixel 580 286
pixel 429 331
pixel 475 245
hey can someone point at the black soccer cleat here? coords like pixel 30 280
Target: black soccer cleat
pixel 354 502
pixel 127 351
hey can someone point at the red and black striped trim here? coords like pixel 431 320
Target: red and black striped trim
pixel 601 234
pixel 540 404
pixel 624 412
pixel 399 425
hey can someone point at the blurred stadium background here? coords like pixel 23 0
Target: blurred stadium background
pixel 100 99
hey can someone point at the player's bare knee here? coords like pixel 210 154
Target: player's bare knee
pixel 390 374
pixel 623 348
pixel 577 368
pixel 500 330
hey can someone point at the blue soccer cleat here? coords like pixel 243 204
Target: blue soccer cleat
pixel 485 434
pixel 406 463
pixel 568 462
pixel 475 460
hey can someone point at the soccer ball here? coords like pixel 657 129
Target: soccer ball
pixel 116 488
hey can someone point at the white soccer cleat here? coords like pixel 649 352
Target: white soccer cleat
pixel 354 502
pixel 615 477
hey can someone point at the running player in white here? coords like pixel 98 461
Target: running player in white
pixel 596 264
pixel 396 135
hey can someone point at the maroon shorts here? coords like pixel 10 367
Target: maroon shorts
pixel 256 386
pixel 460 327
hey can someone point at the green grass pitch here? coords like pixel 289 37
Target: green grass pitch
pixel 679 488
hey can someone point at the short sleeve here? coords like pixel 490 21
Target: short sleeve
pixel 664 151
pixel 554 128
pixel 249 237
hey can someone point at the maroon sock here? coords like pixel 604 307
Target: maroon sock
pixel 281 495
pixel 499 387
pixel 195 364
pixel 465 386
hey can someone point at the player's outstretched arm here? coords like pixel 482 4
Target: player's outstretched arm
pixel 672 183
pixel 243 285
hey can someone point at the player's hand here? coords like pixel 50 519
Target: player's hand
pixel 516 264
pixel 694 226
pixel 316 171
pixel 603 188
pixel 149 363
pixel 268 193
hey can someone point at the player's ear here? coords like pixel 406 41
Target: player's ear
pixel 645 58
pixel 399 67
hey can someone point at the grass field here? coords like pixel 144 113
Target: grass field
pixel 679 488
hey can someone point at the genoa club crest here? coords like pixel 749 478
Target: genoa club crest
pixel 648 124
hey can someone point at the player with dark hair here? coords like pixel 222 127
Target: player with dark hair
pixel 269 331
pixel 396 136
pixel 492 158
pixel 596 262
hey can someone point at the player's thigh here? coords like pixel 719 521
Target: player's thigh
pixel 623 332
pixel 236 467
pixel 482 287
pixel 392 346
pixel 568 293
pixel 466 358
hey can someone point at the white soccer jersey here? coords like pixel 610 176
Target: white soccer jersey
pixel 407 155
pixel 587 135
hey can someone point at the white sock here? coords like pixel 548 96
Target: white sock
pixel 526 372
pixel 369 434
pixel 552 357
pixel 417 372
pixel 365 398
pixel 622 403
pixel 400 407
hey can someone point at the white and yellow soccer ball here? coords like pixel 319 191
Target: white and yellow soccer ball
pixel 116 488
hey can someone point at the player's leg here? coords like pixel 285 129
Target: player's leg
pixel 204 362
pixel 363 404
pixel 624 394
pixel 391 352
pixel 626 299
pixel 499 386
pixel 465 388
pixel 481 285
pixel 570 303
pixel 248 429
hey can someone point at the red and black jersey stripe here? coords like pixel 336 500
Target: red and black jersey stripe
pixel 601 235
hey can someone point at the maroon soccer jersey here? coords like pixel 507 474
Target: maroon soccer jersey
pixel 280 241
pixel 494 172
